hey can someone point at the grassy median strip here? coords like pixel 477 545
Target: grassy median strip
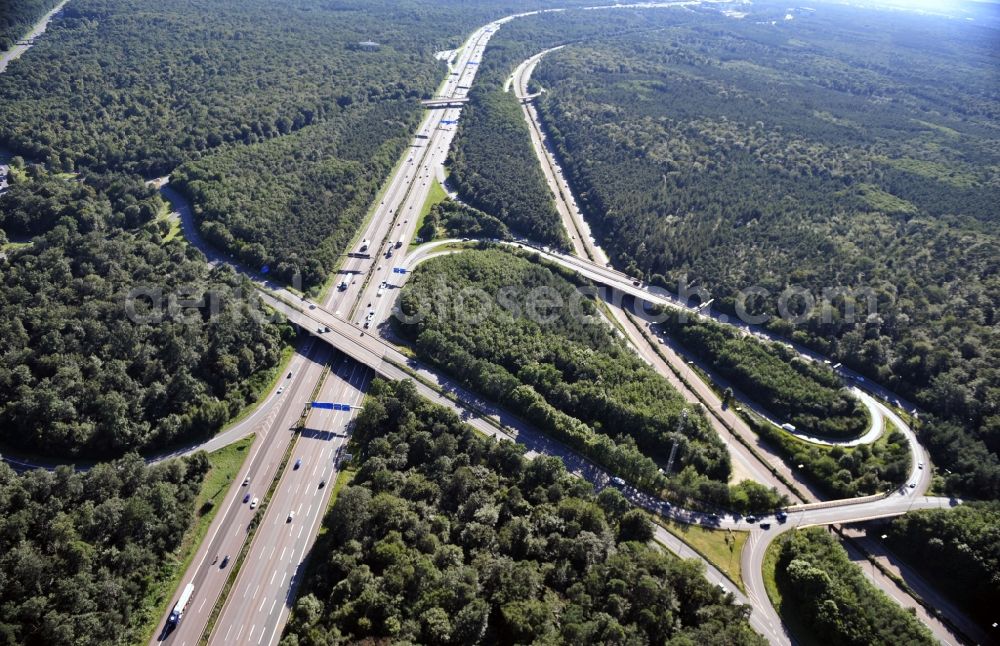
pixel 257 518
pixel 226 463
pixel 722 548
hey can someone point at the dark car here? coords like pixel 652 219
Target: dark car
pixel 298 463
pixel 751 519
pixel 246 498
pixel 781 516
pixel 765 525
pixel 225 562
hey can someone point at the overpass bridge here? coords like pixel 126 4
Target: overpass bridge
pixel 445 102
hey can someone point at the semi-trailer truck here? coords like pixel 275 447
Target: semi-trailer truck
pixel 181 605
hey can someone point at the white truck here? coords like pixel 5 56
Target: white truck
pixel 364 245
pixel 181 605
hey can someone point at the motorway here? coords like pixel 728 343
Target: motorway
pixel 394 220
pixel 259 602
pixel 229 529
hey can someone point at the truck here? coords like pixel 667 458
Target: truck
pixel 181 605
pixel 364 245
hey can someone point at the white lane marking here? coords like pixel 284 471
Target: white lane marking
pixel 272 577
pixel 202 604
pixel 239 633
pixel 282 583
pixel 249 634
pixel 230 629
pixel 283 553
pixel 309 511
pixel 255 596
pixel 262 602
pixel 272 552
pixel 273 604
pixel 261 638
pixel 301 527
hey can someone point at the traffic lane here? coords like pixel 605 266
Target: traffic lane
pixel 264 587
pixel 313 515
pixel 228 529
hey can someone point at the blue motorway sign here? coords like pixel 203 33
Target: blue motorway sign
pixel 331 406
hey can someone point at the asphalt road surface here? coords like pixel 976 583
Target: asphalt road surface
pixel 229 529
pixel 259 602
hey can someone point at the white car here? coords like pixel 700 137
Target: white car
pixel 253 503
pixel 291 515
pixel 920 465
pixel 281 390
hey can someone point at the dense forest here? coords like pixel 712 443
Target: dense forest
pixel 521 334
pixel 79 552
pixel 294 202
pixel 141 86
pixel 88 371
pixel 495 169
pixel 958 549
pixel 807 394
pixel 835 149
pixel 444 537
pixel 17 17
pixel 827 593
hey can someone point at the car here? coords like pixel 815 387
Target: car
pixel 298 463
pixel 281 390
pixel 765 525
pixel 326 328
pixel 781 516
pixel 225 561
pixel 913 485
pixel 322 483
pixel 312 306
pixel 291 515
pixel 342 286
pixel 381 291
pixel 253 503
pixel 320 329
pixel 246 498
pixel 751 519
pixel 368 323
pixel 246 481
pixel 618 481
pixel 920 465
pixel 289 375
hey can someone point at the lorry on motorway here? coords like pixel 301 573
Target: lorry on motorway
pixel 181 605
pixel 364 245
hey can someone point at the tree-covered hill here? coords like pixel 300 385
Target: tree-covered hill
pixel 444 537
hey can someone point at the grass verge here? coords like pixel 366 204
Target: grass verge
pixel 226 463
pixel 435 195
pixel 721 548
